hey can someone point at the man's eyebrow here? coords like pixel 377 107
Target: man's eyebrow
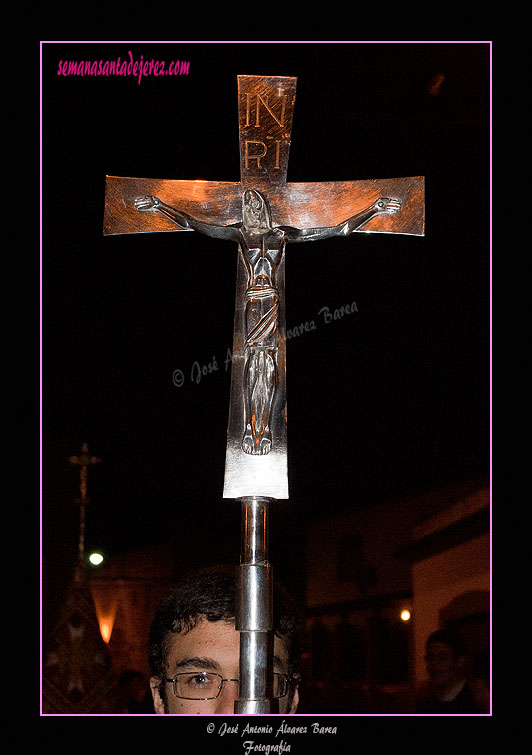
pixel 205 664
pixel 209 664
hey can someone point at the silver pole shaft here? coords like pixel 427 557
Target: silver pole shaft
pixel 254 609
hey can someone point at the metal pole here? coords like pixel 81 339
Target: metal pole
pixel 81 542
pixel 254 609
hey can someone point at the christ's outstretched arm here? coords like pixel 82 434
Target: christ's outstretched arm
pixel 383 206
pixel 185 221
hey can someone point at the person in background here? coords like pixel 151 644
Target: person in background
pixel 134 692
pixel 448 690
pixel 480 680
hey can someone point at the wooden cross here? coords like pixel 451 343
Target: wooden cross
pixel 83 461
pixel 261 213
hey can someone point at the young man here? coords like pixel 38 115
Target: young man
pixel 445 657
pixel 195 648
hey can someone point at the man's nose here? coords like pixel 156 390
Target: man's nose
pixel 228 695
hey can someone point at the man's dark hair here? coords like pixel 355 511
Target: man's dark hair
pixel 210 593
pixel 450 638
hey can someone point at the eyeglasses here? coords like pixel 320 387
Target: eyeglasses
pixel 204 685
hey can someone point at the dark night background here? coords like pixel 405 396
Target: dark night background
pixel 391 400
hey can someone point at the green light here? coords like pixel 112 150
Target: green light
pixel 95 558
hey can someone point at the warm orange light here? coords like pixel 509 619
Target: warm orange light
pixel 106 628
pixel 405 615
pixel 106 614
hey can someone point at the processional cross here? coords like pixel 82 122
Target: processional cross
pixel 261 213
pixel 83 461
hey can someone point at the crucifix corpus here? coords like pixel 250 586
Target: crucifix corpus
pixel 261 213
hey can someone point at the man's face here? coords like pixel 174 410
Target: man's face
pixel 442 665
pixel 213 647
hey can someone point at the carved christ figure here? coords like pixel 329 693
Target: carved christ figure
pixel 262 247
